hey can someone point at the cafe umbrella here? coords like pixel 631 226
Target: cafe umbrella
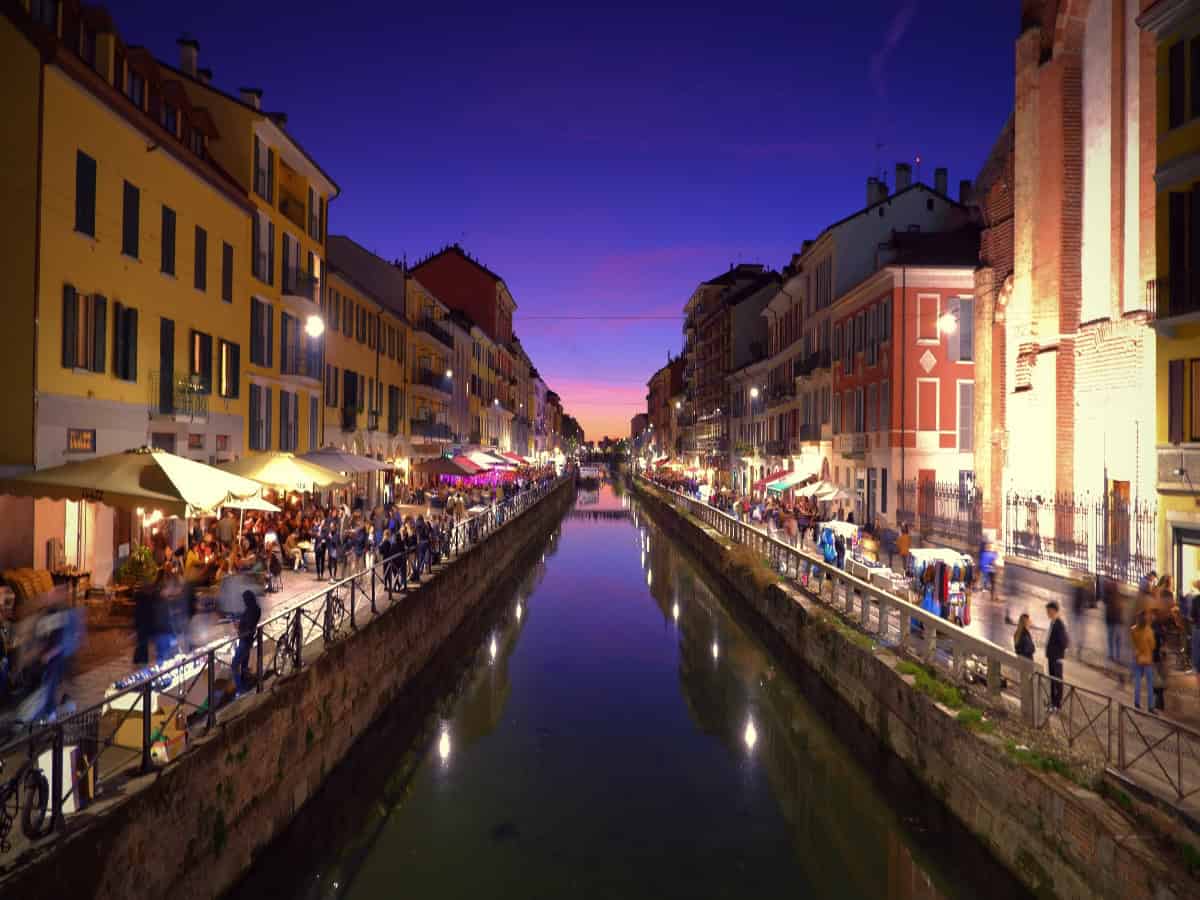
pixel 284 471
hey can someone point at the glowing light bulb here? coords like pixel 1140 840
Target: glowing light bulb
pixel 750 736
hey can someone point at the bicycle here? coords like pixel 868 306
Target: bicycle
pixel 26 794
pixel 335 616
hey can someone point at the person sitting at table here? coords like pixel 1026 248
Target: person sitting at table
pixel 292 551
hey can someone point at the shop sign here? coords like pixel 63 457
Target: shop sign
pixel 81 440
pixel 195 442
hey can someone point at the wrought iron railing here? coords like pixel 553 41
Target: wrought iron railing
pixel 1106 534
pixel 436 380
pixel 430 327
pixel 150 719
pixel 298 283
pixel 429 428
pixel 182 396
pixel 942 508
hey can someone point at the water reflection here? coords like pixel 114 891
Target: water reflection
pixel 625 739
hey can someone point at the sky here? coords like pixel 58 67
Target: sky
pixel 606 160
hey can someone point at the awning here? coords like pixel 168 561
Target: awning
pixel 283 471
pixel 796 476
pixel 143 478
pixel 340 461
pixel 816 488
pixel 441 466
pixel 488 460
pixel 250 504
pixel 763 482
pixel 470 467
pixel 513 458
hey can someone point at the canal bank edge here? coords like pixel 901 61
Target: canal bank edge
pixel 1058 838
pixel 191 829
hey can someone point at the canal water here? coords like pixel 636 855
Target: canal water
pixel 610 729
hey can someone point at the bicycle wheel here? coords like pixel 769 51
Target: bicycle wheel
pixel 35 801
pixel 284 662
pixel 335 619
pixel 9 806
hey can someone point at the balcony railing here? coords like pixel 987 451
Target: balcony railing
pixel 180 397
pixel 950 509
pixel 852 444
pixel 436 380
pixel 430 429
pixel 781 394
pixel 1169 297
pixel 810 364
pixel 298 283
pixel 777 447
pixel 430 327
pixel 373 420
pixel 808 432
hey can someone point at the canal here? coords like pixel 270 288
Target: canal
pixel 608 728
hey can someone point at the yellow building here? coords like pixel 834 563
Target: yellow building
pixel 366 354
pixel 1176 292
pixel 290 196
pixel 127 258
pixel 431 372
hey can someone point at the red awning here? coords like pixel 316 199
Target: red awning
pixel 463 463
pixel 762 483
pixel 519 460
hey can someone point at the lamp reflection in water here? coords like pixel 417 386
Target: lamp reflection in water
pixel 716 650
pixel 444 745
pixel 675 612
pixel 519 612
pixel 750 735
pixel 647 578
pixel 493 648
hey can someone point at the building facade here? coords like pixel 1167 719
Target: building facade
pixel 663 392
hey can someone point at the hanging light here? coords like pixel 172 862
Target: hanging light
pixel 314 326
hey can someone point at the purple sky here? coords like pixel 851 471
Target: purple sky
pixel 605 161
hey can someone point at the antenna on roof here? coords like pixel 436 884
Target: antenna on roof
pixel 918 162
pixel 879 145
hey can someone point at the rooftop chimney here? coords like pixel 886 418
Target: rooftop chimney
pixel 941 181
pixel 251 96
pixel 903 176
pixel 964 191
pixel 205 75
pixel 189 55
pixel 872 190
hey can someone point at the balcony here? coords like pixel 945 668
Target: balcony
pixel 428 428
pixel 779 395
pixel 809 365
pixel 1179 468
pixel 180 398
pixel 435 380
pixel 852 446
pixel 1172 298
pixel 349 418
pixel 809 432
pixel 299 284
pixel 776 447
pixel 431 328
pixel 293 207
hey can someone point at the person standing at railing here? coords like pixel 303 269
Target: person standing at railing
pixel 1144 642
pixel 1056 648
pixel 1023 638
pixel 387 550
pixel 904 547
pixel 247 628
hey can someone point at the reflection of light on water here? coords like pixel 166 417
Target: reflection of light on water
pixel 716 650
pixel 519 611
pixel 643 559
pixel 493 649
pixel 750 736
pixel 675 612
pixel 444 746
pixel 647 578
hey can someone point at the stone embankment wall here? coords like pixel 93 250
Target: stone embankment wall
pixel 1058 838
pixel 191 829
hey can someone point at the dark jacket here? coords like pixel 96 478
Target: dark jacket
pixel 248 623
pixel 1058 642
pixel 1024 645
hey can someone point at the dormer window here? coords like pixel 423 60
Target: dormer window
pixel 135 88
pixel 87 46
pixel 170 118
pixel 45 12
pixel 197 143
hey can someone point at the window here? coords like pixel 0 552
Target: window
pixel 169 117
pixel 168 240
pixel 262 333
pixel 348 317
pixel 229 369
pixel 872 407
pixel 201 361
pixel 860 418
pixel 125 321
pixel 263 248
pixel 85 321
pixel 314 414
pixel 260 417
pixel 290 358
pixel 885 320
pixel 870 339
pixel 196 142
pixel 135 88
pixel 222 443
pixel 200 279
pixel 350 390
pixel 885 406
pixel 331 385
pixel 226 272
pixel 927 316
pixel 85 194
pixel 129 220
pixel 45 12
pixel 883 488
pixel 1177 85
pixel 966 416
pixel 314 216
pixel 1176 374
pixel 289 420
pixel 264 171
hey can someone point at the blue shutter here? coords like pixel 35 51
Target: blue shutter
pixel 255 415
pixel 99 332
pixel 70 327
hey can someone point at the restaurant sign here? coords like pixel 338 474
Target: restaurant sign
pixel 81 440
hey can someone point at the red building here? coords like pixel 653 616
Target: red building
pixel 463 283
pixel 904 375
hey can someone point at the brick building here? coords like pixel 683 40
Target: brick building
pixel 1078 350
pixel 663 387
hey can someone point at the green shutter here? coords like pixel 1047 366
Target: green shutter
pixel 266 400
pixel 85 193
pixel 270 339
pixel 206 361
pixel 70 326
pixel 235 370
pixel 131 344
pixel 200 275
pixel 226 273
pixel 270 279
pixel 255 413
pixel 99 332
pixel 129 221
pixel 118 339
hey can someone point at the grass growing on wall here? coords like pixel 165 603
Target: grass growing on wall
pixel 928 683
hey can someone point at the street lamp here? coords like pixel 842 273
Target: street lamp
pixel 947 323
pixel 754 393
pixel 449 373
pixel 314 327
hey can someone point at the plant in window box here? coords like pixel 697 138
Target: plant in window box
pixel 138 568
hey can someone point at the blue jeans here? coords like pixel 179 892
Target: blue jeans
pixel 1139 672
pixel 1114 641
pixel 241 656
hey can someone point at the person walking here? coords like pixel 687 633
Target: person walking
pixel 1057 643
pixel 904 546
pixel 247 628
pixel 1023 637
pixel 1144 641
pixel 1159 624
pixel 1114 619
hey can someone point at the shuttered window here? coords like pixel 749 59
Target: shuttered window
pixel 200 279
pixel 85 194
pixel 885 406
pixel 1176 85
pixel 85 330
pixel 130 220
pixel 226 272
pixel 966 416
pixel 201 361
pixel 125 346
pixel 1176 375
pixel 285 421
pixel 314 418
pixel 229 369
pixel 262 333
pixel 168 240
pixel 260 417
